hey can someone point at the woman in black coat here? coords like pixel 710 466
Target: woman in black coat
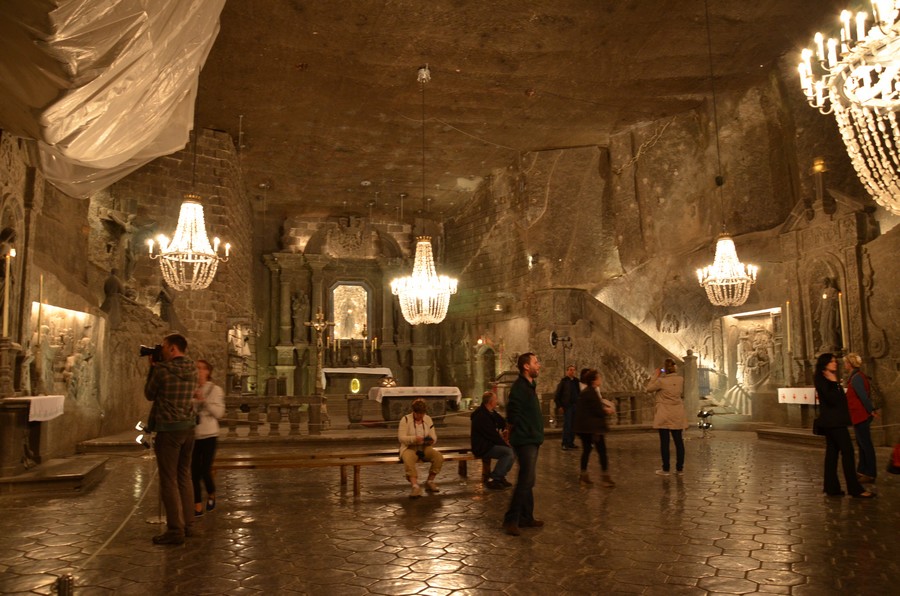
pixel 834 418
pixel 591 426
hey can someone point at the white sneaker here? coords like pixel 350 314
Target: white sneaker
pixel 416 492
pixel 662 473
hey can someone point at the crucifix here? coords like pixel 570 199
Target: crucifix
pixel 319 324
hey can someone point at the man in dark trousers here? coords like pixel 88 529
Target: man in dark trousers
pixel 490 439
pixel 526 434
pixel 566 398
pixel 170 386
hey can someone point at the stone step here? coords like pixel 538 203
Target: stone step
pixel 57 477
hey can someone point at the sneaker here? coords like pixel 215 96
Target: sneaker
pixel 494 485
pixel 512 529
pixel 211 504
pixel 662 472
pixel 416 492
pixel 168 538
pixel 432 487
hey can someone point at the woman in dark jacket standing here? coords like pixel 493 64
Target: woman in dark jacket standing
pixel 834 418
pixel 591 426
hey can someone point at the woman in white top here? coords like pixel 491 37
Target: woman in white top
pixel 209 405
pixel 417 435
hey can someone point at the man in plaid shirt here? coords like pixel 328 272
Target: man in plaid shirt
pixel 170 386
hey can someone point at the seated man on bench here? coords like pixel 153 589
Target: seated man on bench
pixel 417 436
pixel 490 439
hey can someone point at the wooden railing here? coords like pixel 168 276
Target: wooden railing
pixel 272 415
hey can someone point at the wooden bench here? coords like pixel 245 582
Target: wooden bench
pixel 343 460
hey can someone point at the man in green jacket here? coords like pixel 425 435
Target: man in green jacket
pixel 170 386
pixel 526 434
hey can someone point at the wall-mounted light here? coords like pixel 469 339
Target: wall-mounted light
pixel 533 260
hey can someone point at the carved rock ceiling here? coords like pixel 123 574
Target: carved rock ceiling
pixel 329 96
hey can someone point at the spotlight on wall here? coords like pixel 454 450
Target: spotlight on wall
pixel 139 426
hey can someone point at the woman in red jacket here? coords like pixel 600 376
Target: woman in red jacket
pixel 862 412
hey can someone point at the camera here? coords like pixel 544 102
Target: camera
pixel 155 352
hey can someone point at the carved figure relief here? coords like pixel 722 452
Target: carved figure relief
pixel 827 318
pixel 299 316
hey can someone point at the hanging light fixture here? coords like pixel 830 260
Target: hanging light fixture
pixel 727 281
pixel 189 262
pixel 857 78
pixel 424 296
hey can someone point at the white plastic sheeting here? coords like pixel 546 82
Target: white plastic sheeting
pixel 102 86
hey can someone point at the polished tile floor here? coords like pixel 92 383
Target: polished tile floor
pixel 748 516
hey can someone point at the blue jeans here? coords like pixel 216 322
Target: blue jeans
pixel 521 508
pixel 505 458
pixel 664 448
pixel 568 434
pixel 863 432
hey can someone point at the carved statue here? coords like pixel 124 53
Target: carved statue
pixel 166 299
pixel 299 315
pixel 114 290
pixel 828 318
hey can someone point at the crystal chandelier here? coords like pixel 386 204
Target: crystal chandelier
pixel 188 262
pixel 727 281
pixel 424 296
pixel 856 78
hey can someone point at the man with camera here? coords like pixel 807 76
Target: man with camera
pixel 170 386
pixel 417 436
pixel 490 439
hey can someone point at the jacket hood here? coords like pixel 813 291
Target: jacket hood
pixel 181 367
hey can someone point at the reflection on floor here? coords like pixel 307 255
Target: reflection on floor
pixel 747 516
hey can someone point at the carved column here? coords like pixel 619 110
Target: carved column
pixel 691 385
pixel 271 262
pixel 421 357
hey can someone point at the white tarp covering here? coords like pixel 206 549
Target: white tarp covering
pixel 102 86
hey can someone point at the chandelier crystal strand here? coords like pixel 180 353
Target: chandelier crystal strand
pixel 856 76
pixel 424 296
pixel 189 261
pixel 727 281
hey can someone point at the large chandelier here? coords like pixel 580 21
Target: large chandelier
pixel 189 262
pixel 424 296
pixel 856 78
pixel 727 281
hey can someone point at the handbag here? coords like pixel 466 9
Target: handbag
pixel 817 427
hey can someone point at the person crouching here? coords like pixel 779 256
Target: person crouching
pixel 417 438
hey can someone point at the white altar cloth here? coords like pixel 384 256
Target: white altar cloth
pixel 453 393
pixel 354 370
pixel 797 395
pixel 42 408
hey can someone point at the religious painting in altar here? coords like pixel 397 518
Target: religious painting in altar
pixel 350 304
pixel 61 357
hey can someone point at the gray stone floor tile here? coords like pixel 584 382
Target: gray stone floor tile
pixel 747 517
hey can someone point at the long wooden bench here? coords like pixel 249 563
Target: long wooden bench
pixel 343 460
